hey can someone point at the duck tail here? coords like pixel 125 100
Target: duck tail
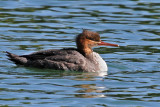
pixel 16 59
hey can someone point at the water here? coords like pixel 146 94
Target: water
pixel 134 68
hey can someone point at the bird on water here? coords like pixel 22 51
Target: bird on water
pixel 82 58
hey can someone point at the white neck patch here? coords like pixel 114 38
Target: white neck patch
pixel 99 62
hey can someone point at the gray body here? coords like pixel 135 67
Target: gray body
pixel 64 59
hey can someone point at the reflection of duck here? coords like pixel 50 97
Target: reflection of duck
pixel 89 91
pixel 81 59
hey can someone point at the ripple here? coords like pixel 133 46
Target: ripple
pixel 133 76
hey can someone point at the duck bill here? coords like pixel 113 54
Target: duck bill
pixel 107 44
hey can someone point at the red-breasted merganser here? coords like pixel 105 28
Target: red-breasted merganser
pixel 81 59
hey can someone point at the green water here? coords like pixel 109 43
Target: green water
pixel 134 68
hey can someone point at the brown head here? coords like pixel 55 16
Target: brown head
pixel 88 39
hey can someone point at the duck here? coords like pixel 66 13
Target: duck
pixel 82 58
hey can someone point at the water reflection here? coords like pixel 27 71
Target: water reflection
pixel 89 91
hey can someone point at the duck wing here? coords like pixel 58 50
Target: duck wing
pixel 64 59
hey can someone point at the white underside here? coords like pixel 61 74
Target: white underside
pixel 100 62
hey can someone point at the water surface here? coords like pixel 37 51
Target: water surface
pixel 134 68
